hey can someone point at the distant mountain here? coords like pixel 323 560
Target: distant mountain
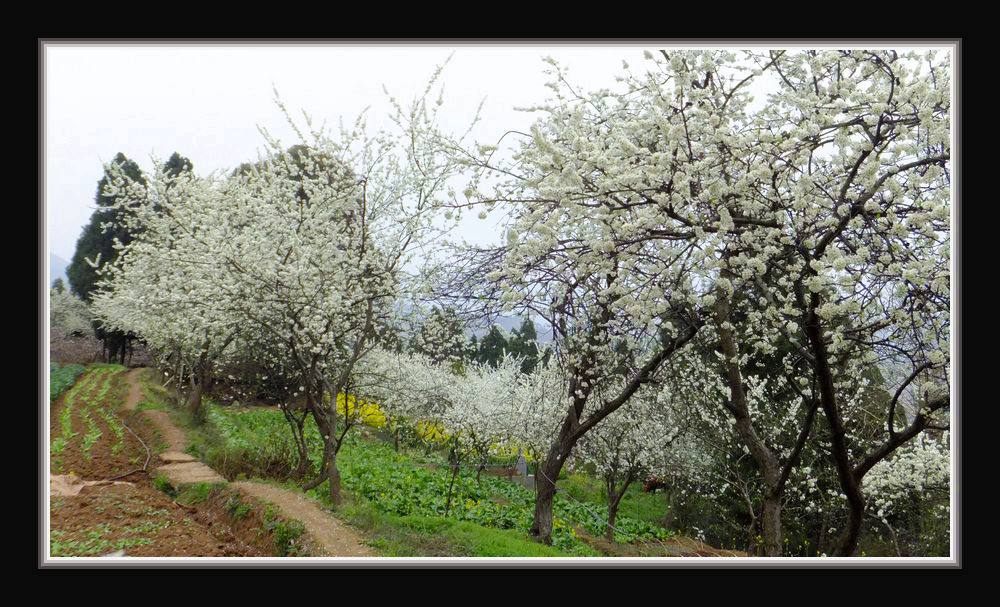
pixel 57 268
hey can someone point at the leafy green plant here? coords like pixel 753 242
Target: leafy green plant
pixel 163 484
pixel 62 378
pixel 407 484
pixel 237 508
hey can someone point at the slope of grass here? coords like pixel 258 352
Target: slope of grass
pixel 636 504
pixel 394 535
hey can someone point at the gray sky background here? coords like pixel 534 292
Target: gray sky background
pixel 206 103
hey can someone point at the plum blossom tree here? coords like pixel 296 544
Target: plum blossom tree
pixel 166 288
pixel 68 314
pixel 615 205
pixel 856 271
pixel 917 470
pixel 673 196
pixel 441 336
pixel 306 248
pixel 629 444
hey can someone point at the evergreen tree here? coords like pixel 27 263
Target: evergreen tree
pixel 96 241
pixel 177 164
pixel 493 346
pixel 524 343
pixel 97 244
pixel 472 348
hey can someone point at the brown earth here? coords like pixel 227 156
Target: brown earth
pixel 142 521
pixel 172 437
pixel 179 467
pixel 332 537
pixel 91 515
pixel 677 546
pixel 116 451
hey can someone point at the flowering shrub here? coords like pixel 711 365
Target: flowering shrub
pixel 367 412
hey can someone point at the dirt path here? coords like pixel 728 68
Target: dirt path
pixel 179 467
pixel 134 389
pixel 332 536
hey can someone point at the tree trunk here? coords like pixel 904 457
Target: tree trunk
pixel 609 533
pixel 771 525
pixel 194 400
pixel 541 527
pixel 739 407
pixel 453 461
pixel 333 475
pixel 323 466
pixel 545 490
pixel 451 487
pixel 615 496
pixel 328 432
pixel 848 541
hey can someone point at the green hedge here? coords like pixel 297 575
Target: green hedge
pixel 62 378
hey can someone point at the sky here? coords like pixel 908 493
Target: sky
pixel 207 103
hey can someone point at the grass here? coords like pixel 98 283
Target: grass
pixel 237 508
pixel 636 504
pixel 394 535
pixel 287 533
pixel 162 483
pixel 195 493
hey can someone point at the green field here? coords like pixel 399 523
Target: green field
pixel 401 498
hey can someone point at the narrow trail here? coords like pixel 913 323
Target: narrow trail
pixel 330 535
pixel 179 467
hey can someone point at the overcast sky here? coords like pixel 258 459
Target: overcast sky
pixel 206 103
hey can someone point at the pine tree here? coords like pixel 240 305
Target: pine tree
pixel 523 343
pixel 493 346
pixel 97 244
pixel 95 240
pixel 177 164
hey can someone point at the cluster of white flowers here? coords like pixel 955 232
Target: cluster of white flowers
pixel 68 314
pixel 297 257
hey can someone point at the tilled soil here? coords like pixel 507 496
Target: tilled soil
pixel 130 516
pixel 117 451
pixel 141 521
